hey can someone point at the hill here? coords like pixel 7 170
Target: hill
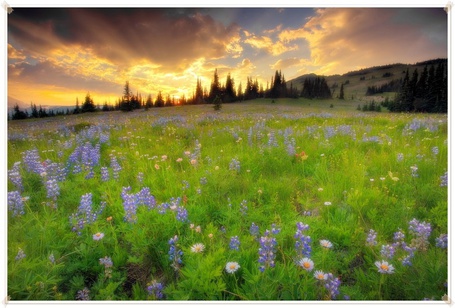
pixel 357 82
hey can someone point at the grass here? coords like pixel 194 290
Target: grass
pixel 211 175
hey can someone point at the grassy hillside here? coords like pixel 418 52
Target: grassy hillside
pixel 357 82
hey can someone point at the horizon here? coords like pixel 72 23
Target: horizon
pixel 56 55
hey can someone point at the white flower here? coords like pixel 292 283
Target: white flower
pixel 320 275
pixel 197 248
pixel 98 236
pixel 327 203
pixel 320 189
pixel 325 243
pixel 306 264
pixel 232 267
pixel 384 267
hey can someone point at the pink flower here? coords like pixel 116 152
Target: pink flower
pixel 98 236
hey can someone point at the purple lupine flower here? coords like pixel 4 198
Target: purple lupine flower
pixel 106 261
pixel 234 165
pixel 203 181
pixel 15 203
pixel 441 241
pixel 421 232
pixel 332 284
pixel 400 157
pixel 186 185
pixel 175 254
pixel 116 168
pixel 155 289
pixel 32 161
pixel 146 198
pixel 52 258
pixel 20 255
pixel 444 180
pixel 272 142
pixel 302 243
pixel 182 214
pixel 435 150
pixel 387 251
pixel 130 204
pixel 275 230
pixel 254 229
pixel 85 214
pixel 104 174
pixel 398 238
pixel 83 295
pixel 234 243
pixel 53 190
pixel 371 238
pixel 15 177
pixel 267 251
pixel 243 208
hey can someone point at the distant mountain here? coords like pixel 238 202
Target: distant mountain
pixel 13 101
pixel 357 82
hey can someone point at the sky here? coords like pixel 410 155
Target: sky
pixel 56 55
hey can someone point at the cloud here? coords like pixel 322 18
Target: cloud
pixel 347 39
pixel 15 54
pixel 285 63
pixel 274 48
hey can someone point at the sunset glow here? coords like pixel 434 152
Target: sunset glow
pixel 58 55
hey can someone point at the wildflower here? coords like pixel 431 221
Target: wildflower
pixel 332 285
pixel 104 174
pixel 109 218
pixel 388 251
pixel 198 229
pixel 254 229
pixel 179 160
pixel 53 191
pixel 382 178
pixel 140 177
pixel 232 267
pixel 182 214
pixel 20 255
pixel 82 295
pixel 15 203
pixel 394 178
pixel 306 264
pixel 210 235
pixel 435 150
pixel 320 275
pixel 302 243
pixel 384 267
pixel 441 241
pixel 15 176
pixel 85 213
pixel 302 155
pixel 234 165
pixel 327 203
pixel 398 238
pixel 157 167
pixel 371 238
pixel 98 236
pixel 155 289
pixel 175 254
pixel 197 248
pixel 421 232
pixel 235 243
pixel 163 157
pixel 267 251
pixel 444 180
pixel 325 244
pixel 320 189
pixel 52 258
pixel 193 161
pixel 400 157
pixel 217 168
pixel 106 261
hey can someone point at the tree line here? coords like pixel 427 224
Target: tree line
pixel 424 92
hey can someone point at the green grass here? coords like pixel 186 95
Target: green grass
pixel 351 165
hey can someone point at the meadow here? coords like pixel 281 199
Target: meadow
pixel 288 201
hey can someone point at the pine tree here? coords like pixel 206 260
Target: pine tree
pixel 159 102
pixel 229 91
pixel 34 111
pixel 125 104
pixel 215 88
pixel 149 102
pixel 88 105
pixel 76 110
pixel 341 92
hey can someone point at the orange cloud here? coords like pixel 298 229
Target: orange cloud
pixel 274 48
pixel 341 40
